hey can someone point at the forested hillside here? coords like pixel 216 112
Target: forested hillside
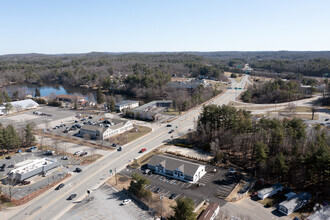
pixel 276 150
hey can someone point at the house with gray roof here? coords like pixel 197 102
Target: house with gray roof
pixel 294 203
pixel 107 129
pixel 268 192
pixel 176 168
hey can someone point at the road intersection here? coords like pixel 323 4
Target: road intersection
pixel 53 204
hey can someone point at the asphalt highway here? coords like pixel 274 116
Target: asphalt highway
pixel 53 204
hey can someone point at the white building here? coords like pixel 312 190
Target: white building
pixel 105 130
pixel 294 203
pixel 29 168
pixel 176 168
pixel 18 106
pixel 127 104
pixel 268 192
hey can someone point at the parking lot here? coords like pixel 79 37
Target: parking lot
pixel 213 186
pixel 59 115
pixel 36 182
pixel 97 206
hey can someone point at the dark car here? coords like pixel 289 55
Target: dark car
pixel 90 117
pixel 59 186
pixel 157 190
pixel 119 149
pixel 114 145
pixel 172 196
pixel 72 196
pixel 168 125
pixel 171 131
pixel 8 158
pixel 78 170
pixel 11 166
pixel 4 165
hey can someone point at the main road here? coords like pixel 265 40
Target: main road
pixel 53 204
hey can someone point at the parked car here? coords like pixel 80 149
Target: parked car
pixel 172 196
pixel 65 158
pixel 171 131
pixel 11 166
pixel 24 182
pixel 49 152
pixel 4 165
pixel 78 170
pixel 72 196
pixel 143 150
pixel 114 145
pixel 90 117
pixel 168 125
pixel 231 170
pixel 157 190
pixel 77 152
pixel 83 154
pixel 126 201
pixel 119 148
pixel 59 186
pixel 8 157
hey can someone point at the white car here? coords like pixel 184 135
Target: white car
pixel 126 201
pixel 77 152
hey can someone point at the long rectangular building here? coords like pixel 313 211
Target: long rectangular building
pixel 29 168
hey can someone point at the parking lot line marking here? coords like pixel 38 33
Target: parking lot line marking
pixel 161 191
pixel 155 176
pixel 167 193
pixel 183 184
pixel 147 186
pixel 152 188
pixel 176 197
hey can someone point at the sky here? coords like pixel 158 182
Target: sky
pixel 81 26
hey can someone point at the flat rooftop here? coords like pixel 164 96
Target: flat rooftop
pixel 29 165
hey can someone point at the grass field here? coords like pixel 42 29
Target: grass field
pixel 131 135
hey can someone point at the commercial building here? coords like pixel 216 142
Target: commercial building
pixel 190 84
pixel 268 192
pixel 18 106
pixel 127 104
pixel 210 212
pixel 150 111
pixel 176 168
pixel 70 98
pixel 294 203
pixel 29 168
pixel 106 129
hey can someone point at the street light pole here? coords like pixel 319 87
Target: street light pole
pixel 161 207
pixel 116 175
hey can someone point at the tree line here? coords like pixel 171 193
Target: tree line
pixel 276 150
pixel 11 140
pixel 276 92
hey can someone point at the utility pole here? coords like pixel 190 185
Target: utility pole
pixel 161 207
pixel 116 175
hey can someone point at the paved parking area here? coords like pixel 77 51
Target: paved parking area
pixel 22 118
pixel 105 203
pixel 38 181
pixel 211 187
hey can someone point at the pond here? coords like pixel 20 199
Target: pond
pixel 50 89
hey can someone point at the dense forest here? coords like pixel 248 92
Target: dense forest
pixel 275 150
pixel 277 91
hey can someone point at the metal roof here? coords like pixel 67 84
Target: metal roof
pixel 27 103
pixel 126 102
pixel 169 163
pixel 294 201
pixel 270 189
